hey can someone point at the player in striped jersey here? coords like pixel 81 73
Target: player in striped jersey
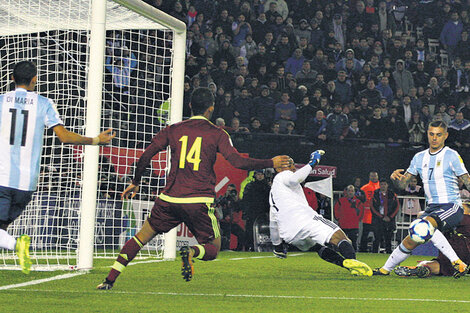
pixel 439 168
pixel 23 116
pixel 293 221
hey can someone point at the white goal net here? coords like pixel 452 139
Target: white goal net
pixel 141 68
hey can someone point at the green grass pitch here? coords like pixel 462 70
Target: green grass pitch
pixel 237 282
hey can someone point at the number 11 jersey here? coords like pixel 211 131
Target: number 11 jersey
pixel 23 117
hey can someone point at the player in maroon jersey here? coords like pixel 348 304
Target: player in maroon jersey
pixel 189 191
pixel 459 239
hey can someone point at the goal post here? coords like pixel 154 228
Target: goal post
pixel 105 63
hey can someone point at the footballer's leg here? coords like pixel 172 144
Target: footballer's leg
pixel 205 252
pixel 346 249
pixel 421 271
pixel 203 224
pixel 127 254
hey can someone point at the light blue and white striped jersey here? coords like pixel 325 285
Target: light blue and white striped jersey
pixel 23 116
pixel 439 172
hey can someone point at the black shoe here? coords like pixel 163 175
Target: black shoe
pixel 378 272
pixel 187 269
pixel 280 251
pixel 407 271
pixel 105 285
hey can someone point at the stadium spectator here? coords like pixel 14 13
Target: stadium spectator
pixel 373 95
pixel 295 63
pixel 412 206
pixel 255 125
pixel 396 127
pixel 240 28
pixel 376 126
pixel 343 89
pixel 255 204
pixel 222 76
pixel 417 130
pixel 367 228
pixel 353 131
pixel 285 111
pixel 385 90
pixel 337 124
pixel 228 209
pixel 305 112
pixel 384 208
pixel 235 126
pixel 263 107
pixel 402 77
pixel 349 211
pixel 316 127
pixel 243 107
pixel 225 107
pixel 459 131
pixel 451 33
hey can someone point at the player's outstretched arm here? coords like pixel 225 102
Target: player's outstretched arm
pixel 130 190
pixel 66 136
pixel 399 179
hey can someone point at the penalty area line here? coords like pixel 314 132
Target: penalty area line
pixel 178 294
pixel 40 281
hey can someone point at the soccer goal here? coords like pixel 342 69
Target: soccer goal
pixel 105 63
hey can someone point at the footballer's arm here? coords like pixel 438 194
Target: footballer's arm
pixel 66 136
pixel 400 180
pixel 466 180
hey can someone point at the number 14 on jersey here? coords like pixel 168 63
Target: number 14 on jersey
pixel 194 154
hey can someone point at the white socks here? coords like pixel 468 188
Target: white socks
pixel 398 255
pixel 7 241
pixel 443 245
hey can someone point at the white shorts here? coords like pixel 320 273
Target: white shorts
pixel 318 231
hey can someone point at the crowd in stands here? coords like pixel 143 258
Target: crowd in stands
pixel 331 69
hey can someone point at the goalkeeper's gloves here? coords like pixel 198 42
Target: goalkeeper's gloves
pixel 315 157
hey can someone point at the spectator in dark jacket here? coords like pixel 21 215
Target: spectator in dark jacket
pixel 343 89
pixel 243 106
pixel 396 127
pixel 337 124
pixel 255 204
pixel 315 130
pixel 384 208
pixel 263 108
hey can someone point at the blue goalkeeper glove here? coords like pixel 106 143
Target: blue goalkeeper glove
pixel 315 157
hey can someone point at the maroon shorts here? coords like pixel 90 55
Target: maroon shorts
pixel 199 217
pixel 461 245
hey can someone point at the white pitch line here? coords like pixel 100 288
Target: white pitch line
pixel 40 281
pixel 258 257
pixel 243 295
pixel 231 259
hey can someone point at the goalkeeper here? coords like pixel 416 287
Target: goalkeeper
pixel 293 221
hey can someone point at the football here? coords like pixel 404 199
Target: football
pixel 421 230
